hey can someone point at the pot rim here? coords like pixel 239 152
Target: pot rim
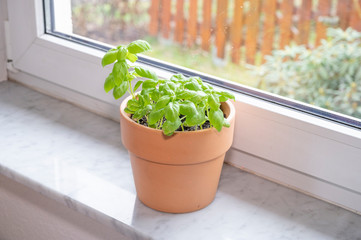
pixel 126 116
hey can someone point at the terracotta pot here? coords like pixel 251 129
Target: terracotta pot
pixel 179 173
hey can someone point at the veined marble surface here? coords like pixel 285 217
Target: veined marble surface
pixel 76 158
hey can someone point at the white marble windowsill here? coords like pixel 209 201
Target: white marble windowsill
pixel 76 158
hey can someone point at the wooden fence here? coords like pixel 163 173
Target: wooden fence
pixel 247 30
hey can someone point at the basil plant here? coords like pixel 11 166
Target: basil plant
pixel 170 105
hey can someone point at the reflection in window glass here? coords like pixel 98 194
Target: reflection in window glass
pixel 308 50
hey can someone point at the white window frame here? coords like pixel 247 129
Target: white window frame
pixel 307 153
pixel 3 62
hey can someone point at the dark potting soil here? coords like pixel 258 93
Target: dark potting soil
pixel 205 125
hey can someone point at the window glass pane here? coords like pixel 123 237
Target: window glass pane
pixel 307 50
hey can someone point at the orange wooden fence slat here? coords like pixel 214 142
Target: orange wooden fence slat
pixel 192 22
pixel 206 24
pixel 252 22
pixel 154 17
pixel 355 17
pixel 179 22
pixel 324 7
pixel 269 9
pixel 166 6
pixel 343 12
pixel 286 23
pixel 304 22
pixel 161 22
pixel 236 30
pixel 221 21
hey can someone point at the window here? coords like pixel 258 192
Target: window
pixel 310 153
pixel 315 59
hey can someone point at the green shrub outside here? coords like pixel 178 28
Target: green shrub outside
pixel 327 76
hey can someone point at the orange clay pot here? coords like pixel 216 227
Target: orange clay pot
pixel 178 173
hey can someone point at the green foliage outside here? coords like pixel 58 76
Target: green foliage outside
pixel 328 76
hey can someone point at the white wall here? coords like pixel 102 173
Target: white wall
pixel 3 16
pixel 25 214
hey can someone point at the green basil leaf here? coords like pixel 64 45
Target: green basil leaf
pixel 213 101
pixel 144 99
pixel 155 95
pixel 133 105
pixel 196 119
pixel 122 53
pixel 207 91
pixel 187 108
pixel 172 111
pixel 198 79
pixel 201 105
pixel 109 83
pixel 132 57
pixel 206 86
pixel 137 85
pixel 138 114
pixel 223 98
pixel 130 77
pixel 171 85
pixel 170 126
pixel 186 94
pixel 193 85
pixel 147 109
pixel 226 123
pixel 146 73
pixel 120 90
pixel 138 46
pixel 199 97
pixel 109 57
pixel 178 78
pixel 149 84
pixel 227 95
pixel 155 116
pixel 127 110
pixel 162 102
pixel 165 89
pixel 142 112
pixel 216 118
pixel 120 70
pixel 147 91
